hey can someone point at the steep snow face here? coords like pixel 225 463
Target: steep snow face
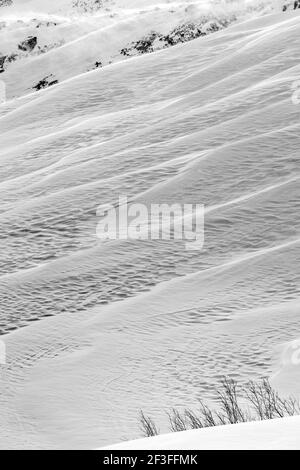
pixel 71 37
pixel 148 324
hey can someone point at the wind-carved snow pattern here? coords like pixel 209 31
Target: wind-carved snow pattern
pixel 95 331
pixel 79 35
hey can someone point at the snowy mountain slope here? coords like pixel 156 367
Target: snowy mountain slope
pixel 65 43
pixel 131 324
pixel 69 182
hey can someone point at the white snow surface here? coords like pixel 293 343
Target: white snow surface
pixel 71 41
pixel 276 434
pixel 96 331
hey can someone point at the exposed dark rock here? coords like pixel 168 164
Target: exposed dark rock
pixel 5 3
pixel 97 65
pixel 45 83
pixel 88 6
pixel 6 60
pixel 48 47
pixel 125 51
pixel 291 4
pixel 146 45
pixel 11 58
pixel 47 24
pixel 182 33
pixel 2 60
pixel 29 44
pixel 143 46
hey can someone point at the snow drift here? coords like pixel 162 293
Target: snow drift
pixel 76 36
pixel 125 325
pixel 276 434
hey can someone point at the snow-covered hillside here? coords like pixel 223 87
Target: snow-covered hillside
pixel 95 331
pixel 50 41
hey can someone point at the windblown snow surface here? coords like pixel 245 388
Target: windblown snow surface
pixel 278 434
pixel 130 325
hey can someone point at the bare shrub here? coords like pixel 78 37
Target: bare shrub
pixel 235 404
pixel 147 425
pixel 177 421
pixel 229 401
pixel 268 404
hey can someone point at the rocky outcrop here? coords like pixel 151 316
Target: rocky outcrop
pixel 291 4
pixel 29 44
pixel 45 83
pixel 48 47
pixel 88 6
pixel 2 61
pixel 182 33
pixel 25 48
pixel 5 3
pixel 6 59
